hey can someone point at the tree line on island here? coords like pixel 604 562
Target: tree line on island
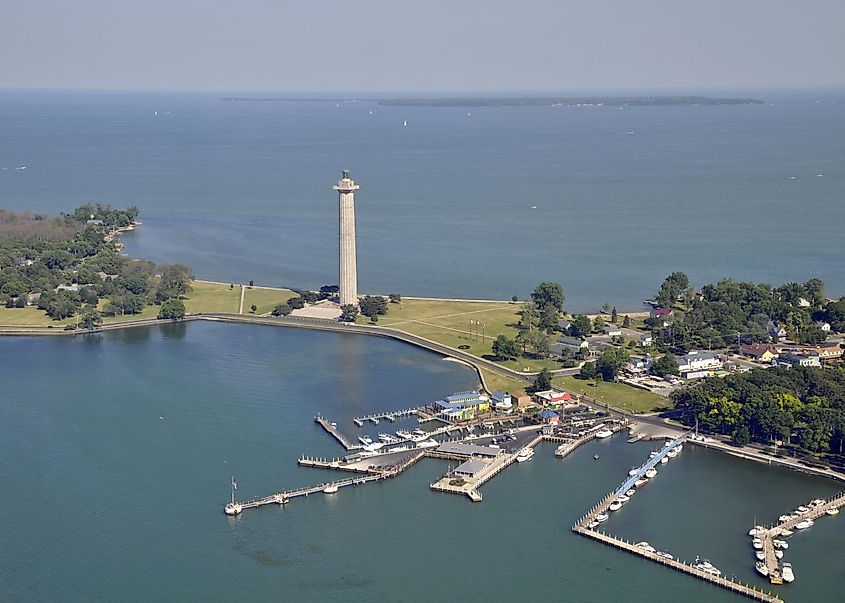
pixel 70 265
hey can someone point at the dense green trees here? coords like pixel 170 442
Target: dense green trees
pixel 175 281
pixel 580 326
pixel 548 294
pixel 665 365
pixel 348 312
pixel 373 305
pixel 803 406
pixel 282 310
pixel 542 382
pixel 172 309
pixel 674 287
pixel 611 362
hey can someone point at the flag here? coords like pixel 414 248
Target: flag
pixel 234 484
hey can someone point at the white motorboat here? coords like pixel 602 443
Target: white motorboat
pixel 646 546
pixel 330 489
pixel 761 568
pixel 802 510
pixel 623 498
pixel 641 482
pixel 615 505
pixel 419 432
pixel 403 433
pixel 780 544
pixel 833 511
pixel 428 444
pixel 633 471
pixel 757 543
pixel 601 517
pixel 651 473
pixel 784 518
pixel 673 453
pixel 604 433
pixel 786 533
pixel 664 460
pixel 665 554
pixel 630 492
pixel 705 566
pixel 756 530
pixel 761 555
pixel 816 502
pixel 803 525
pixel 365 440
pixel 593 525
pixel 786 573
pixel 779 554
pixel 525 455
pixel 560 451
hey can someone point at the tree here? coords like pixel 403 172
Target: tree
pixel 611 362
pixel 581 326
pixel 673 286
pixel 529 316
pixel 395 298
pixel 251 283
pixel 348 312
pixel 626 322
pixel 605 308
pixel 90 318
pixel 172 309
pixel 505 347
pixel 599 324
pixel 310 297
pixel 514 298
pixel 372 305
pixel 548 319
pixel 296 303
pixel 174 282
pixel 665 365
pixel 741 436
pixel 548 294
pixel 538 341
pixel 543 381
pixel 588 371
pixel 281 310
pixel 614 316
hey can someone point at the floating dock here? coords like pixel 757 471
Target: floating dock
pixel 332 429
pixel 570 445
pixel 768 537
pixel 387 415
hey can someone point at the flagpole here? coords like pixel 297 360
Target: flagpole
pixel 233 489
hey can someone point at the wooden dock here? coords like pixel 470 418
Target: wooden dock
pixel 571 444
pixel 768 537
pixel 742 589
pixel 332 429
pixel 391 416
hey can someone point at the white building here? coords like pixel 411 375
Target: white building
pixel 698 364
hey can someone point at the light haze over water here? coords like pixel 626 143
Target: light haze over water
pixel 242 190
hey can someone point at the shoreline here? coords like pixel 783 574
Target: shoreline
pixel 448 353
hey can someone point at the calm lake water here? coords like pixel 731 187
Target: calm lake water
pixel 242 190
pixel 117 450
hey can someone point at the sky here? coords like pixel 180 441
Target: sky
pixel 405 47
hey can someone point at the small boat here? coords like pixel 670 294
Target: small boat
pixel 664 460
pixel 646 546
pixel 705 566
pixel 803 525
pixel 330 489
pixel 560 451
pixel 761 568
pixel 757 543
pixel 428 444
pixel 622 498
pixel 833 511
pixel 802 510
pixel 365 440
pixel 595 457
pixel 630 492
pixel 641 482
pixel 780 544
pixel 604 433
pixel 786 533
pixel 405 124
pixel 779 554
pixel 615 505
pixel 651 473
pixel 761 555
pixel 816 502
pixel 665 554
pixel 756 530
pixel 419 432
pixel 593 524
pixel 652 454
pixel 601 517
pixel 525 455
pixel 387 439
pixel 633 471
pixel 402 433
pixel 786 572
pixel 784 518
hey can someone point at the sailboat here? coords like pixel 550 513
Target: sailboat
pixel 233 508
pixel 405 124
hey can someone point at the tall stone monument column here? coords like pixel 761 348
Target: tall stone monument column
pixel 348 268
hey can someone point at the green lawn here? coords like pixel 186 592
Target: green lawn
pixel 448 322
pixel 618 395
pixel 212 297
pixel 265 299
pixel 29 317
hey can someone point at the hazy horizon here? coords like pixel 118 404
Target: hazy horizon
pixel 473 47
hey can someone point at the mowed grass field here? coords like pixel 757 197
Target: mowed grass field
pixel 618 395
pixel 212 297
pixel 266 299
pixel 452 323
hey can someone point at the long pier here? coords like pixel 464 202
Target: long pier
pixel 742 589
pixel 391 416
pixel 768 537
pixel 332 430
pixel 651 462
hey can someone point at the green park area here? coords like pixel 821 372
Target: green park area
pixel 618 395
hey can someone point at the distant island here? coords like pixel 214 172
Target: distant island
pixel 526 101
pixel 564 101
